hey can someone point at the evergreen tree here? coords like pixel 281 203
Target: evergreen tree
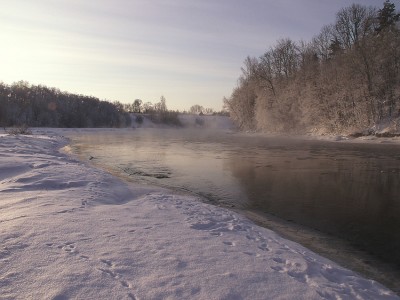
pixel 387 16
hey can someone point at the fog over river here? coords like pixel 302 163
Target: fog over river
pixel 343 192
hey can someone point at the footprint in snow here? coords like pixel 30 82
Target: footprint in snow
pixel 216 233
pixel 232 244
pixel 107 262
pixel 161 206
pixel 130 295
pixel 296 269
pixel 68 247
pixel 279 260
pixel 264 247
pixel 109 269
pixel 4 253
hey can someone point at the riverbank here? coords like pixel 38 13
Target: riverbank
pixel 70 231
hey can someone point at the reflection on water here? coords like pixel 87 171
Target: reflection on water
pixel 177 159
pixel 350 191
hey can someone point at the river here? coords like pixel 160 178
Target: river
pixel 339 199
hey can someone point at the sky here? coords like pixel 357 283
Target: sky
pixel 188 51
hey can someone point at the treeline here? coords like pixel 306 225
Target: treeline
pixel 346 78
pixel 41 106
pixel 157 112
pixel 138 106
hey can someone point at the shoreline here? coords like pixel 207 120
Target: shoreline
pixel 67 220
pixel 326 245
pixel 331 247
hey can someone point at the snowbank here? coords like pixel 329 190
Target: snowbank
pixel 384 131
pixel 69 231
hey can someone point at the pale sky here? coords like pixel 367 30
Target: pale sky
pixel 188 51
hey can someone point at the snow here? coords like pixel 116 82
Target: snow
pixel 385 131
pixel 69 231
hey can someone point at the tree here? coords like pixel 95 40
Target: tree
pixel 348 77
pixel 162 105
pixel 265 72
pixel 119 106
pixel 335 48
pixel 387 16
pixel 209 111
pixel 241 104
pixel 323 41
pixel 127 107
pixel 286 55
pixel 148 107
pixel 308 59
pixel 137 105
pixel 22 103
pixel 354 23
pixel 196 109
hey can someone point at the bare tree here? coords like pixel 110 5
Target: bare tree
pixel 323 41
pixel 265 72
pixel 196 109
pixel 208 111
pixel 147 107
pixel 354 23
pixel 163 104
pixel 31 105
pixel 285 56
pixel 137 106
pixel 241 105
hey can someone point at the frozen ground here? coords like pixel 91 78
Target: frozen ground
pixel 68 231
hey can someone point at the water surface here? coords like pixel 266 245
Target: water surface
pixel 349 191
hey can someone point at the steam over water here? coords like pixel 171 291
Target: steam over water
pixel 350 191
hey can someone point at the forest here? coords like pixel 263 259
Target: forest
pixel 22 104
pixel 346 79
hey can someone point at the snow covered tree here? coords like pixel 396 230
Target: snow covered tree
pixel 347 77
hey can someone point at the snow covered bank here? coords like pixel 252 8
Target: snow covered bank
pixel 368 139
pixel 68 231
pixel 386 131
